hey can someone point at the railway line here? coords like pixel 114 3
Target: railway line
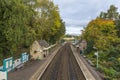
pixel 63 66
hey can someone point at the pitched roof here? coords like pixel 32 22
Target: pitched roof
pixel 43 43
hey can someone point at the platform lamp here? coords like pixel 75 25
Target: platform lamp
pixel 96 54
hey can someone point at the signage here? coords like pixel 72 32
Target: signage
pixel 3 75
pixel 8 64
pixel 24 57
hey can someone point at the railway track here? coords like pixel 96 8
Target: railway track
pixel 63 66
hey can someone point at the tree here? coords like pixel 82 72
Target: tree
pixel 49 20
pixel 110 14
pixel 101 33
pixel 22 22
pixel 117 23
pixel 15 29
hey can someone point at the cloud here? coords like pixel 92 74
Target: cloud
pixel 73 30
pixel 77 13
pixel 74 22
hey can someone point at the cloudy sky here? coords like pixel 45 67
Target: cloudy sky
pixel 77 13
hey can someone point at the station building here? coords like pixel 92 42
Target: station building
pixel 39 49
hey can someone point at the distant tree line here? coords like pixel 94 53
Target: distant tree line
pixel 23 21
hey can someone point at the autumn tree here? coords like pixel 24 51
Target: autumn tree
pixel 112 14
pixel 49 21
pixel 23 21
pixel 101 33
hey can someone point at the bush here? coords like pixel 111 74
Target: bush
pixel 109 63
pixel 113 52
pixel 1 58
pixel 109 73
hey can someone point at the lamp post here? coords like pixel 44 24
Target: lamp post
pixel 96 53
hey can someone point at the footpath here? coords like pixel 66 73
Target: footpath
pixel 30 68
pixel 90 69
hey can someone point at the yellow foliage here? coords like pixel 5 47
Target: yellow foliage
pixel 101 32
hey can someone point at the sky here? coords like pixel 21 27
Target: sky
pixel 78 13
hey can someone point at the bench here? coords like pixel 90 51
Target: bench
pixel 18 64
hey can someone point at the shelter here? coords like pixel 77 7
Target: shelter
pixel 39 49
pixel 82 45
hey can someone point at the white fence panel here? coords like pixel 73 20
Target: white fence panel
pixel 17 62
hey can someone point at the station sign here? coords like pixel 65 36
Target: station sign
pixel 8 64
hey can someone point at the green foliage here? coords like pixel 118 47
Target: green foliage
pixel 109 73
pixel 22 22
pixel 103 33
pixel 14 29
pixel 100 33
pixel 114 52
pixel 110 14
pixel 117 23
pixel 113 15
pixel 51 25
pixel 89 47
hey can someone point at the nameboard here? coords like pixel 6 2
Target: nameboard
pixel 24 57
pixel 8 64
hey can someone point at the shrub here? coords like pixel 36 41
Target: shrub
pixel 1 58
pixel 109 73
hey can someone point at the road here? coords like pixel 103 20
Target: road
pixel 63 66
